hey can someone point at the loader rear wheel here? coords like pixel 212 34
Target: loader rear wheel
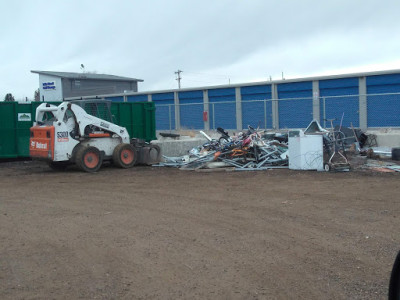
pixel 89 159
pixel 125 156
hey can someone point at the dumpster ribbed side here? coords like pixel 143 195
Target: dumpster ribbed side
pixel 137 117
pixel 8 136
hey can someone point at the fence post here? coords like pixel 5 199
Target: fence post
pixel 362 103
pixel 265 114
pixel 316 108
pixel 177 111
pixel 275 106
pixel 169 117
pixel 324 111
pixel 206 108
pixel 238 98
pixel 213 115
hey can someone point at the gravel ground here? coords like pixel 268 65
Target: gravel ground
pixel 158 233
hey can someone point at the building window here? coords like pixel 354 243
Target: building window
pixel 77 84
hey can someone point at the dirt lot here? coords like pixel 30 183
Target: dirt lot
pixel 157 233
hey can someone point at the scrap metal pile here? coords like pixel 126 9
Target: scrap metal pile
pixel 260 150
pixel 249 150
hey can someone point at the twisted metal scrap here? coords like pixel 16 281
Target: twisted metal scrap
pixel 247 153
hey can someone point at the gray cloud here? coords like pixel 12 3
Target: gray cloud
pixel 211 41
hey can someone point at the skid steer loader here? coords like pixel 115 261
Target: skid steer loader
pixel 67 134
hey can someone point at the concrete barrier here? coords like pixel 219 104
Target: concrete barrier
pixel 178 146
pixel 386 137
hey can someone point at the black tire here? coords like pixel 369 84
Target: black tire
pixel 394 285
pixel 89 159
pixel 154 154
pixel 58 165
pixel 396 153
pixel 125 156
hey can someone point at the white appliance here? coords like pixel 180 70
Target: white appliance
pixel 305 151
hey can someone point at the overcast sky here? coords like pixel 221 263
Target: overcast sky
pixel 212 42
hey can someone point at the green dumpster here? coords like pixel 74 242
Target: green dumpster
pixel 137 117
pixel 17 118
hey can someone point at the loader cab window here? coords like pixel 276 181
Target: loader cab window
pixel 68 115
pixel 48 118
pixel 98 110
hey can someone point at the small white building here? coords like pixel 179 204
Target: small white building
pixel 55 86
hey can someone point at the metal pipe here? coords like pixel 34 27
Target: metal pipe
pixel 205 135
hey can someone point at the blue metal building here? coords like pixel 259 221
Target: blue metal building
pixel 365 100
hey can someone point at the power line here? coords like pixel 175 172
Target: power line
pixel 209 74
pixel 194 80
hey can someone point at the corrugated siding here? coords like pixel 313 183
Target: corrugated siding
pixel 296 113
pixel 336 107
pixel 89 87
pixel 8 136
pixel 136 98
pixel 165 111
pixel 256 113
pixel 383 110
pixel 191 109
pixel 138 118
pixel 224 113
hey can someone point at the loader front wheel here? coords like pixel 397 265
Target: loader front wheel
pixel 125 156
pixel 89 159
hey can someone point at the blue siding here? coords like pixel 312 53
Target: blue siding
pixel 137 98
pixel 383 80
pixel 253 113
pixel 191 115
pixel 166 98
pixel 340 96
pixel 294 87
pixel 115 98
pixel 383 110
pixel 260 90
pixel 295 113
pixel 339 83
pixel 225 113
pixel 165 111
pixel 336 107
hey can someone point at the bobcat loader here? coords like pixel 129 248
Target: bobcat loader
pixel 67 134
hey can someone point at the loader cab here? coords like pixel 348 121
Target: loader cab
pixel 99 108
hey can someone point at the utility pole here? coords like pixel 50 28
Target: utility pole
pixel 178 73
